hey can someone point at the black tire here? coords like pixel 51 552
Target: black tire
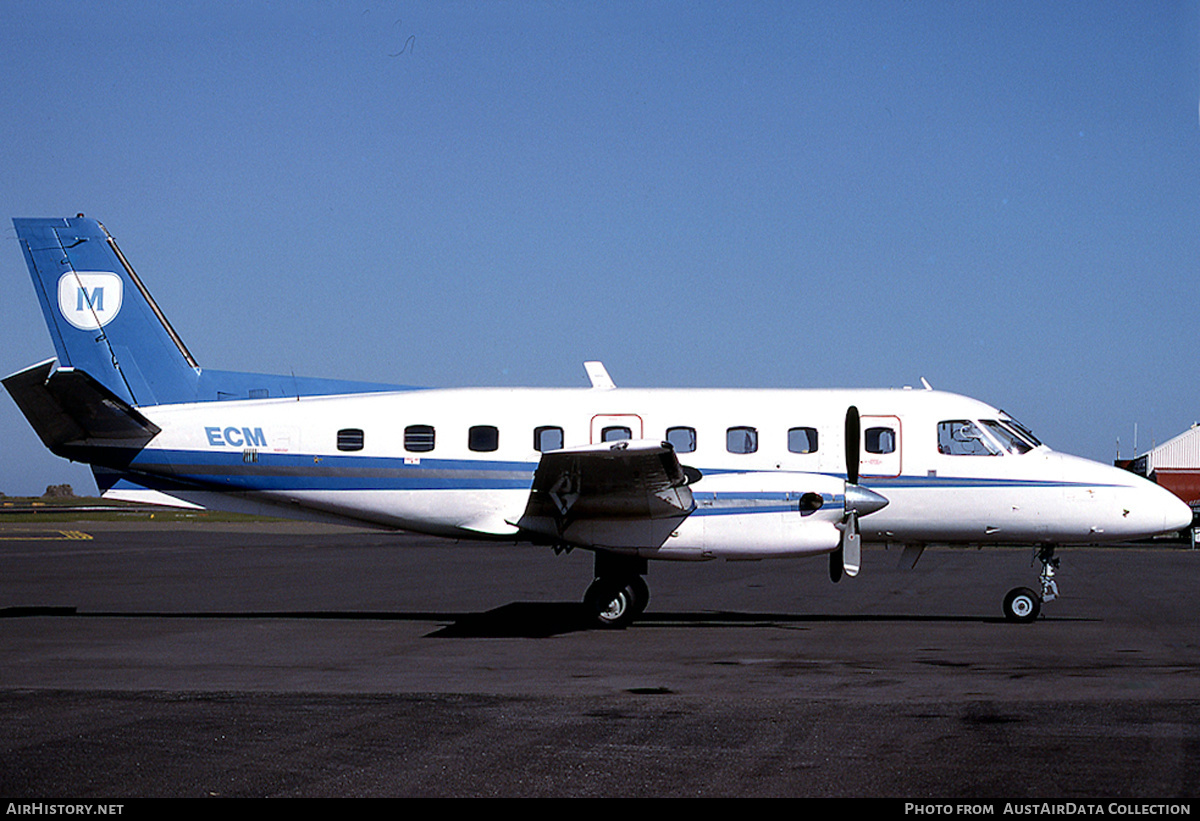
pixel 641 594
pixel 611 604
pixel 1022 605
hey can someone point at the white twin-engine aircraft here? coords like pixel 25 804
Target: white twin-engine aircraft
pixel 631 474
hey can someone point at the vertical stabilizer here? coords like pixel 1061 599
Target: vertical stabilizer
pixel 102 319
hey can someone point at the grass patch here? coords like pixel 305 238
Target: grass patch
pixel 24 509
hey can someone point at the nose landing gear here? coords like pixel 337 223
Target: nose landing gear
pixel 1023 605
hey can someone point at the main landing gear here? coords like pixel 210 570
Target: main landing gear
pixel 1023 605
pixel 618 594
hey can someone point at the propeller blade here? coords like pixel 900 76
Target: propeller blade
pixel 853 434
pixel 859 501
pixel 851 546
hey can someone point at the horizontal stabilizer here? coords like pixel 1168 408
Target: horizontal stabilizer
pixel 68 408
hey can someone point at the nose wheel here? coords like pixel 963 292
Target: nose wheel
pixel 1023 605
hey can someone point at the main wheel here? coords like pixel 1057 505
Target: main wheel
pixel 640 591
pixel 1022 605
pixel 614 603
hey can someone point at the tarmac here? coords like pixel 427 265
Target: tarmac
pixel 188 660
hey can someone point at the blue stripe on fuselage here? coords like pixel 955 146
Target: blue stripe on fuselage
pixel 285 471
pixel 277 471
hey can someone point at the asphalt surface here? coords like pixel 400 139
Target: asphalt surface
pixel 285 660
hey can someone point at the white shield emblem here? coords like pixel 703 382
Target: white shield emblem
pixel 89 299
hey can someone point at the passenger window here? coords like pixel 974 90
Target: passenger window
pixel 350 439
pixel 615 433
pixel 419 438
pixel 802 440
pixel 881 440
pixel 483 438
pixel 547 438
pixel 960 437
pixel 741 440
pixel 682 439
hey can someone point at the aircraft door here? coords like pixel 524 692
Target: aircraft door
pixel 612 427
pixel 882 453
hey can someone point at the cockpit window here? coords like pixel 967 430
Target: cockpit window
pixel 1021 431
pixel 1007 437
pixel 962 437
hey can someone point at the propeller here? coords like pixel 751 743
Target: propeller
pixel 859 501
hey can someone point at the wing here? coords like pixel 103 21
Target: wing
pixel 631 493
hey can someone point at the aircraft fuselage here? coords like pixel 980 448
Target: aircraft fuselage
pixel 460 463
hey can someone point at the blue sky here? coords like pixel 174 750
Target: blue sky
pixel 1000 197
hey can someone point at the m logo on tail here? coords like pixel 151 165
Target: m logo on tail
pixel 89 300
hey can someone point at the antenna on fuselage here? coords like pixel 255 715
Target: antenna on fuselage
pixel 598 375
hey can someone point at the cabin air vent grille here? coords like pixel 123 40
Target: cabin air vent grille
pixel 418 438
pixel 350 439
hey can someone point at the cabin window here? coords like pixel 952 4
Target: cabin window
pixel 741 440
pixel 615 433
pixel 682 439
pixel 802 440
pixel 483 438
pixel 880 440
pixel 547 437
pixel 961 437
pixel 419 438
pixel 350 439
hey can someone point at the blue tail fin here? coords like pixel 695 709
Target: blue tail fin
pixel 105 323
pixel 103 320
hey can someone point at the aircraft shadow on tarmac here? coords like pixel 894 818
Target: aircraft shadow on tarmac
pixel 533 620
pixel 518 619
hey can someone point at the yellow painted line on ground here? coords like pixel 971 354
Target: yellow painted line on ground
pixel 45 536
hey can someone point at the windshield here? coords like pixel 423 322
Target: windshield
pixel 1020 430
pixel 1008 438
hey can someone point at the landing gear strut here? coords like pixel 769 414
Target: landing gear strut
pixel 618 594
pixel 1022 604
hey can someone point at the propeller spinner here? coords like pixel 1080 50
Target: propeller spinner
pixel 859 501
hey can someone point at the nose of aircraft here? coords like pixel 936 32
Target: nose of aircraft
pixel 1177 513
pixel 1152 507
pixel 1132 507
